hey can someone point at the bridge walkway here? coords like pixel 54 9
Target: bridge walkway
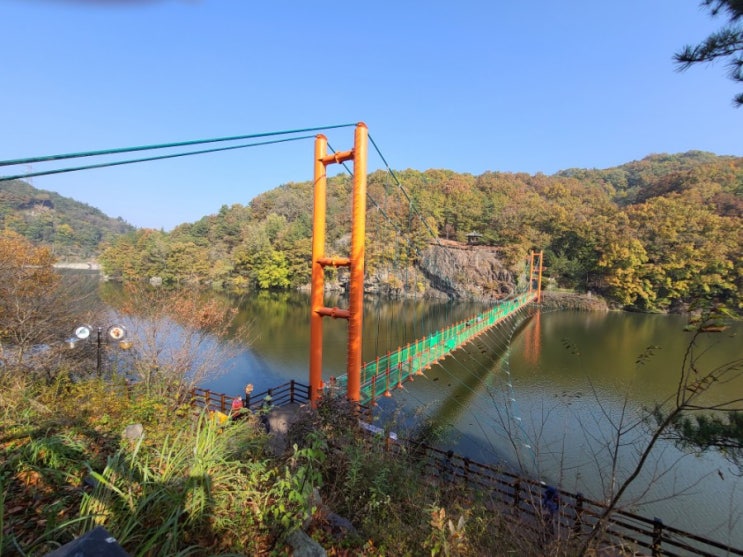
pixel 380 376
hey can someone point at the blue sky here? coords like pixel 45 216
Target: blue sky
pixel 471 86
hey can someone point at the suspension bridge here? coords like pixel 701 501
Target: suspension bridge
pixel 388 372
pixel 364 383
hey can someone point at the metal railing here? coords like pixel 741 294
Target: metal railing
pixel 387 372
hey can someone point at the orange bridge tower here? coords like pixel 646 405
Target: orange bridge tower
pixel 355 312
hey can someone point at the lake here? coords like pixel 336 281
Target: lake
pixel 547 397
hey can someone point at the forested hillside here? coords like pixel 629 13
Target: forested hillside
pixel 650 235
pixel 73 230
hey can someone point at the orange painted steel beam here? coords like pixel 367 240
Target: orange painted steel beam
pixel 356 287
pixel 531 271
pixel 539 283
pixel 334 261
pixel 355 313
pixel 337 158
pixel 318 272
pixel 335 313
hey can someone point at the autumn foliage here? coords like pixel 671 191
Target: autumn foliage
pixel 28 292
pixel 650 235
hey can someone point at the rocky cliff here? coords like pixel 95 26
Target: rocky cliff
pixel 466 272
pixel 448 269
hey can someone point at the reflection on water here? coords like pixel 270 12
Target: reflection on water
pixel 551 399
pixel 280 349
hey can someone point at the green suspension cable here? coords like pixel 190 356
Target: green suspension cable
pixel 402 189
pixel 165 145
pixel 147 159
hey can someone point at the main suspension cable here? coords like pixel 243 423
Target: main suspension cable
pixel 402 189
pixel 166 145
pixel 368 195
pixel 147 159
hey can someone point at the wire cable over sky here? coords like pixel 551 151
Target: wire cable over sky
pixel 402 189
pixel 102 152
pixel 166 145
pixel 392 173
pixel 139 148
pixel 147 159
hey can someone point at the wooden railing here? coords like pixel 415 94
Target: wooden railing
pixel 292 392
pixel 575 514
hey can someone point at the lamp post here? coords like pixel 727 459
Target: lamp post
pixel 115 333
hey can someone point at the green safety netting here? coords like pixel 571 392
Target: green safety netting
pixel 382 375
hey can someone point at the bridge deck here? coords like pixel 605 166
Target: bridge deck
pixel 381 376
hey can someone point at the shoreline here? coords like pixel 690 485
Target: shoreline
pixel 573 300
pixel 91 266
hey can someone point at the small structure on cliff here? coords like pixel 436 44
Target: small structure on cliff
pixel 474 238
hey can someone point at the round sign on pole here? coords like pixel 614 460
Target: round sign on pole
pixel 82 332
pixel 117 332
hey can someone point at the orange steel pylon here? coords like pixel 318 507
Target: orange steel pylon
pixel 355 312
pixel 535 274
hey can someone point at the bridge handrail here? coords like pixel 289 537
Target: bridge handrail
pixel 389 371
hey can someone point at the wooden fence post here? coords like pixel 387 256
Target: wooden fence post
pixel 516 495
pixel 578 524
pixel 657 537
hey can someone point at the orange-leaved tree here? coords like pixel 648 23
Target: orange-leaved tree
pixel 179 337
pixel 29 300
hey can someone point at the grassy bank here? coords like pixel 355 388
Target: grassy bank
pixel 192 486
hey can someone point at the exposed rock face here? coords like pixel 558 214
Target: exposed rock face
pixel 466 272
pixel 445 269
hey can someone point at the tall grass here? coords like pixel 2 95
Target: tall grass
pixel 192 486
pixel 182 497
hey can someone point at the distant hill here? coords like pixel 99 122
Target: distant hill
pixel 75 231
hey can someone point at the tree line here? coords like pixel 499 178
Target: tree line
pixel 650 235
